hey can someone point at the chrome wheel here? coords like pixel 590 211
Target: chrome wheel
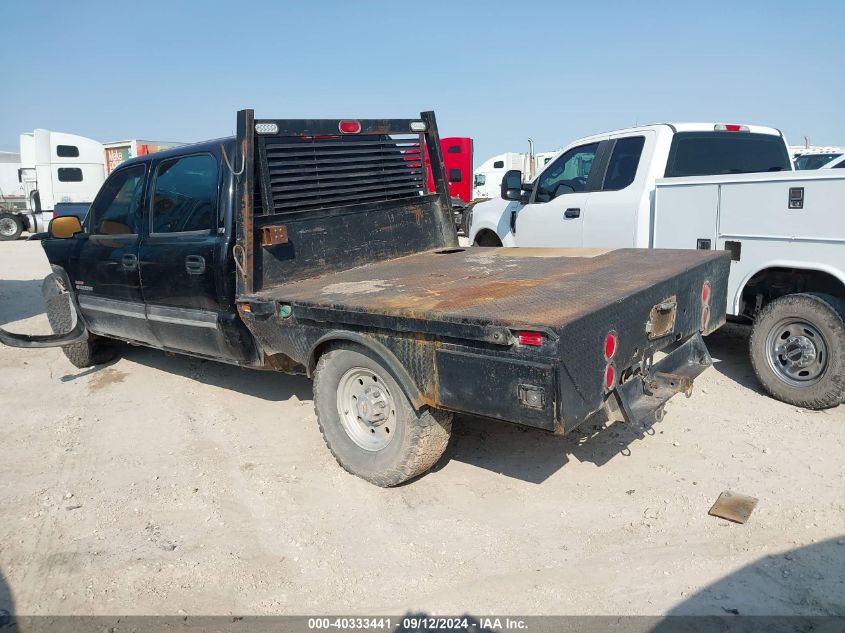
pixel 797 352
pixel 8 227
pixel 367 410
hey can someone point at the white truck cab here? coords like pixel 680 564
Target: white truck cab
pixel 706 186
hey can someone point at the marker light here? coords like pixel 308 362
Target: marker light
pixel 610 342
pixel 531 338
pixel 705 292
pixel 418 126
pixel 349 127
pixel 609 377
pixel 266 128
pixel 730 127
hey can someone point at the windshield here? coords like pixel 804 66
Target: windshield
pixel 814 161
pixel 714 153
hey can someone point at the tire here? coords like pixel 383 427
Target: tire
pixel 797 350
pixel 11 227
pixel 94 350
pixel 403 444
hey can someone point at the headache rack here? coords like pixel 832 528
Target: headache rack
pixel 294 173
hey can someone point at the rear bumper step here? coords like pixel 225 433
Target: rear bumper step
pixel 642 396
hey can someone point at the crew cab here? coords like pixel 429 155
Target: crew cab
pixel 706 186
pixel 317 247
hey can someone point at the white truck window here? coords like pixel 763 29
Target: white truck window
pixel 570 171
pixel 715 153
pixel 622 168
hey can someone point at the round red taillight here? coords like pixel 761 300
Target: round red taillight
pixel 610 342
pixel 705 292
pixel 349 127
pixel 609 377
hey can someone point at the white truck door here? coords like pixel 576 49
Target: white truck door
pixel 616 202
pixel 554 215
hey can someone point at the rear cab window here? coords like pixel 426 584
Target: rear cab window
pixel 718 153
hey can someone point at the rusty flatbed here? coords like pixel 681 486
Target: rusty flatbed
pixel 493 286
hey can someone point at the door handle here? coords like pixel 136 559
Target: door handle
pixel 195 264
pixel 129 261
pixel 572 213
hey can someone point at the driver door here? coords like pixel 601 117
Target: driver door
pixel 554 215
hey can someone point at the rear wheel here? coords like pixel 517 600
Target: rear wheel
pixel 11 227
pixel 92 351
pixel 798 349
pixel 369 424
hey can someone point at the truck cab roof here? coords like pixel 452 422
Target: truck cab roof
pixel 675 128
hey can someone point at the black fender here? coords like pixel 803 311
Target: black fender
pixel 55 285
pixel 393 364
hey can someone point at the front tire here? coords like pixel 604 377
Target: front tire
pixel 11 227
pixel 369 424
pixel 798 350
pixel 94 350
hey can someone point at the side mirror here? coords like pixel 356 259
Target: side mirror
pixel 64 227
pixel 512 185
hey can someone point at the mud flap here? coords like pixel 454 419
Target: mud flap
pixel 642 396
pixel 77 333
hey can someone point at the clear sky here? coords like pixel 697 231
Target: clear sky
pixel 497 71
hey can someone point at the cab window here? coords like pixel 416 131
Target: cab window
pixel 568 174
pixel 185 194
pixel 622 168
pixel 117 209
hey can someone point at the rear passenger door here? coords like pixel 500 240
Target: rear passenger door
pixel 620 198
pixel 181 279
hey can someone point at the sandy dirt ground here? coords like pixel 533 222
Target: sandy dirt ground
pixel 160 484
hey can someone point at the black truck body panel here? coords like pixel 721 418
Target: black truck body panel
pixel 458 313
pixel 325 234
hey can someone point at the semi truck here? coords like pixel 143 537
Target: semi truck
pixel 318 247
pixel 55 167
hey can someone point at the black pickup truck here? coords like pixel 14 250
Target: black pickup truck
pixel 314 246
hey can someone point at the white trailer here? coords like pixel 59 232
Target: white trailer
pixel 488 177
pixel 118 151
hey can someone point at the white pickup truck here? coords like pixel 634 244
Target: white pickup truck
pixel 706 186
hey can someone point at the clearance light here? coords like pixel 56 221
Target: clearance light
pixel 609 377
pixel 730 127
pixel 349 127
pixel 245 307
pixel 705 292
pixel 418 126
pixel 531 338
pixel 610 343
pixel 266 128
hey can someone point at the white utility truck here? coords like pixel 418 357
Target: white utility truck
pixel 55 167
pixel 706 186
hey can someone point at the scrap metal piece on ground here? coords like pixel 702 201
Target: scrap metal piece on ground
pixel 733 507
